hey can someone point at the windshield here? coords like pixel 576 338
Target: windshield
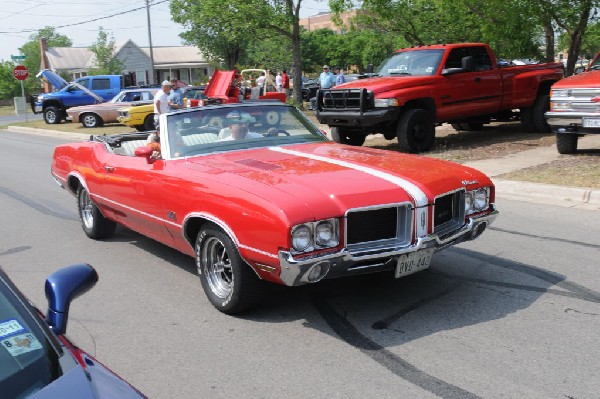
pixel 412 63
pixel 595 65
pixel 222 129
pixel 27 360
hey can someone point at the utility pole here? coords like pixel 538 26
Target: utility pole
pixel 150 42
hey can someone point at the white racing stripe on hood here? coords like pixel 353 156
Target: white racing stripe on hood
pixel 415 192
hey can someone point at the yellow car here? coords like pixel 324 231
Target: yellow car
pixel 140 117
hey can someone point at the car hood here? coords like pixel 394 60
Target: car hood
pixel 96 382
pixel 219 84
pixel 329 178
pixel 53 78
pixel 387 83
pixel 585 79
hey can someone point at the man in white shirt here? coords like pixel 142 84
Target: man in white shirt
pixel 278 81
pixel 237 127
pixel 161 101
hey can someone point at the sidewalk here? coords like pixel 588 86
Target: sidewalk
pixel 571 197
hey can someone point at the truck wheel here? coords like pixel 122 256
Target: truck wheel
pixel 229 283
pixel 53 115
pixel 541 105
pixel 149 123
pixel 566 143
pixel 526 115
pixel 416 131
pixel 90 120
pixel 94 224
pixel 343 137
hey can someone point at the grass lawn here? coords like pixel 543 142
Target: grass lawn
pixel 110 128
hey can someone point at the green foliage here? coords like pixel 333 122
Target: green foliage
pixel 31 50
pixel 104 50
pixel 9 86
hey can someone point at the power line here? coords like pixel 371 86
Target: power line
pixel 85 22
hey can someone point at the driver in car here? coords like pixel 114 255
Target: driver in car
pixel 237 129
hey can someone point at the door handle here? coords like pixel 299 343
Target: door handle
pixel 109 168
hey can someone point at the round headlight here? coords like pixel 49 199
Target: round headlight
pixel 480 199
pixel 468 202
pixel 301 238
pixel 324 233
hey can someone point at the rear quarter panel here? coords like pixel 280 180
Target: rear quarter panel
pixel 523 83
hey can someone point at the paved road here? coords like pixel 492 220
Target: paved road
pixel 515 314
pixel 8 119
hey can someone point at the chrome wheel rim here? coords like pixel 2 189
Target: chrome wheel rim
pixel 86 207
pixel 89 120
pixel 51 116
pixel 216 266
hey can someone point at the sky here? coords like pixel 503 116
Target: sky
pixel 20 19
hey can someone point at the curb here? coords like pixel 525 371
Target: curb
pixel 47 132
pixel 548 194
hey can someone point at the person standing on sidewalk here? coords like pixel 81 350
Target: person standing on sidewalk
pixel 175 97
pixel 285 83
pixel 326 81
pixel 161 101
pixel 339 77
pixel 278 81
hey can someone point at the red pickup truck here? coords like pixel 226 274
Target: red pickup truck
pixel 575 107
pixel 419 87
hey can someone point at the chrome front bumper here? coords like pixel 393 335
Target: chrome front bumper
pixel 570 122
pixel 343 263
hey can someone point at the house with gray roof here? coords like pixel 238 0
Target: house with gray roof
pixel 185 63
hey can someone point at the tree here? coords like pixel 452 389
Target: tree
pixel 31 50
pixel 104 51
pixel 236 23
pixel 9 86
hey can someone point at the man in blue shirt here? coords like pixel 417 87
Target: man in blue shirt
pixel 175 97
pixel 326 81
pixel 339 77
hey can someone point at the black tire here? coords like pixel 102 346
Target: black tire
pixel 343 137
pixel 91 120
pixel 566 143
pixel 229 283
pixel 140 128
pixel 541 105
pixel 53 115
pixel 94 224
pixel 458 127
pixel 416 131
pixel 149 123
pixel 526 115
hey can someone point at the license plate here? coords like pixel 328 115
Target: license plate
pixel 591 122
pixel 413 262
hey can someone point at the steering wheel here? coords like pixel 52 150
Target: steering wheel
pixel 273 132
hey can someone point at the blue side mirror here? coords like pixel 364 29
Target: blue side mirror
pixel 62 287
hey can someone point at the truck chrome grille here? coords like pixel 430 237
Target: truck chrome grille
pixel 581 100
pixel 449 212
pixel 378 228
pixel 349 99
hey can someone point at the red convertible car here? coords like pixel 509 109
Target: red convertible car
pixel 254 203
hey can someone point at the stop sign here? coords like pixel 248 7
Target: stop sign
pixel 20 72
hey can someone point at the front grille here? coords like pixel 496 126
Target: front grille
pixel 449 212
pixel 381 228
pixel 348 99
pixel 581 100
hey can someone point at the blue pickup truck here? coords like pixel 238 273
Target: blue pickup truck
pixel 83 91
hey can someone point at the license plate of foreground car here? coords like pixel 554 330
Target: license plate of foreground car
pixel 413 262
pixel 591 122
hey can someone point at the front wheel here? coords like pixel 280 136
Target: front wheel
pixel 52 115
pixel 566 143
pixel 416 131
pixel 91 120
pixel 94 224
pixel 344 137
pixel 229 283
pixel 149 123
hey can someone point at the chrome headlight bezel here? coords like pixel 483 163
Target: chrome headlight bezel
pixel 559 93
pixel 561 106
pixel 312 236
pixel 477 200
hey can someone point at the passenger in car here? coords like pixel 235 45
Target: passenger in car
pixel 237 129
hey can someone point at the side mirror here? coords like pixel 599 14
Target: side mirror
pixel 61 288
